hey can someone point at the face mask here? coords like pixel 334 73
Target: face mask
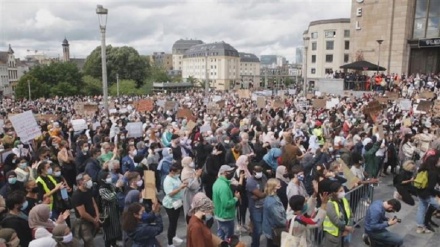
pixel 305 208
pixel 229 176
pixel 57 174
pixel 192 165
pixel 86 149
pixel 227 141
pixel 258 175
pixel 122 137
pixel 207 217
pixel 131 143
pixel 34 190
pixel 108 180
pixel 68 238
pixel 24 206
pixel 341 195
pixel 49 171
pixel 23 165
pixel 139 183
pixel 134 153
pixel 330 149
pixel 14 243
pixel 12 180
pixel 89 184
pixel 301 177
pixel 176 176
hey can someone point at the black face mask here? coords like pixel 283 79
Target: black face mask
pixel 229 176
pixel 34 190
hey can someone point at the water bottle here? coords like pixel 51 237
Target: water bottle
pixel 64 194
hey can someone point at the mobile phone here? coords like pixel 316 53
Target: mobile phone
pixel 64 194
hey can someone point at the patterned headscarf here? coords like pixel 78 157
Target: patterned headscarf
pixel 202 203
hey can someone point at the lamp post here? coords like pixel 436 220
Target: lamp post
pixel 102 17
pixel 379 41
pixel 29 89
pixel 305 68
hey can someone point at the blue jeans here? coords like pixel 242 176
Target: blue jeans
pixel 257 224
pixel 423 206
pixel 386 238
pixel 225 229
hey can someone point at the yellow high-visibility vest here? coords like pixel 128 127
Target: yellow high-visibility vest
pixel 46 189
pixel 328 225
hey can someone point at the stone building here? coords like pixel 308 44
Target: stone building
pixel 178 50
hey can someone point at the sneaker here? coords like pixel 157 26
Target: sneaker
pixel 366 239
pixel 172 245
pixel 421 230
pixel 397 196
pixel 177 241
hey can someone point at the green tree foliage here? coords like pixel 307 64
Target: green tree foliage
pixel 92 86
pixel 46 80
pixel 126 87
pixel 124 61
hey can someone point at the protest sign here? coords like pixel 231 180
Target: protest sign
pixel 424 105
pixel 436 108
pixel 212 108
pixel 392 95
pixel 277 103
pixel 25 126
pixel 244 94
pixel 90 109
pixel 221 103
pixel 380 131
pixel 310 96
pixel 79 124
pixel 319 103
pixel 407 122
pixel 170 105
pixel 318 94
pixel 134 129
pixel 190 125
pixel 205 128
pixel 149 191
pixel 216 98
pixel 373 107
pixel 261 102
pixel 161 103
pixel 352 180
pixel 185 113
pixel 405 104
pixel 427 95
pixel 144 105
pixel 96 125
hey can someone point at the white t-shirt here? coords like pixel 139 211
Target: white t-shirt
pixel 358 172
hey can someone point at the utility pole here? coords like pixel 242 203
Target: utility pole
pixel 117 84
pixel 265 78
pixel 29 89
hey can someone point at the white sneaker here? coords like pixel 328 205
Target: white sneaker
pixel 177 241
pixel 397 196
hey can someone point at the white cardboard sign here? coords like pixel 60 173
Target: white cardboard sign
pixel 79 124
pixel 134 129
pixel 25 126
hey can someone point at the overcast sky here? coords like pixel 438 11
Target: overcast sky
pixel 256 26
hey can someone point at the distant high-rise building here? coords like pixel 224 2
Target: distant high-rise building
pixel 272 61
pixel 179 49
pixel 299 55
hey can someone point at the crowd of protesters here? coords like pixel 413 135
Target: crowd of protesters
pixel 280 167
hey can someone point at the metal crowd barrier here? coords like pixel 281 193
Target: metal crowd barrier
pixel 360 199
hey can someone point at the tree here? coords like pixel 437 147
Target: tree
pixel 158 74
pixel 63 89
pixel 44 78
pixel 126 87
pixel 92 86
pixel 124 61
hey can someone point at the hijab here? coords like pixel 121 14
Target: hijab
pixel 271 157
pixel 39 217
pixel 281 170
pixel 242 166
pixel 58 235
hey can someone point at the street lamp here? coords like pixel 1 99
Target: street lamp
pixel 102 17
pixel 379 41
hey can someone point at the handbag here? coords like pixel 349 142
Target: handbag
pixel 276 235
pixel 288 240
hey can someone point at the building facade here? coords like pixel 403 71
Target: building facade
pixel 299 55
pixel 178 50
pixel 326 47
pixel 272 61
pixel 8 57
pixel 219 62
pixel 249 69
pixel 162 60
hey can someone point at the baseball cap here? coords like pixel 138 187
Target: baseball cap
pixel 225 168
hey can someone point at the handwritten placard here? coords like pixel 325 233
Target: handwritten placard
pixel 134 129
pixel 261 102
pixel 25 126
pixel 319 103
pixel 427 95
pixel 185 113
pixel 144 105
pixel 424 105
pixel 373 107
pixel 244 94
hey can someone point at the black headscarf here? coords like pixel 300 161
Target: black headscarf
pixel 101 180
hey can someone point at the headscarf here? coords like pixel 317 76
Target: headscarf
pixel 202 203
pixel 281 170
pixel 271 157
pixel 102 176
pixel 39 217
pixel 187 172
pixel 6 234
pixel 241 164
pixel 58 235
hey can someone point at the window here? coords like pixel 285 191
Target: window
pixel 329 45
pixel 346 33
pixel 313 58
pixel 347 45
pixel 328 71
pixel 419 28
pixel 314 35
pixel 346 58
pixel 314 46
pixel 329 58
pixel 330 33
pixel 421 8
pixel 313 71
pixel 432 30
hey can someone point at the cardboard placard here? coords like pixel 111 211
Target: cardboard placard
pixel 405 104
pixel 47 117
pixel 90 109
pixel 427 95
pixel 436 108
pixel 277 104
pixel 261 102
pixel 205 128
pixel 244 94
pixel 392 95
pixel 216 98
pixel 161 103
pixel 134 129
pixel 79 124
pixel 185 113
pixel 407 122
pixel 221 103
pixel 319 103
pixel 352 180
pixel 212 108
pixel 373 107
pixel 144 105
pixel 170 105
pixel 149 191
pixel 310 96
pixel 380 131
pixel 190 125
pixel 382 100
pixel 25 126
pixel 424 105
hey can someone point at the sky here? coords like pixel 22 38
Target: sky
pixel 262 27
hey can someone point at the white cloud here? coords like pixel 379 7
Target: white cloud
pixel 256 26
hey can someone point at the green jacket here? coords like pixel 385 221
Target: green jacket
pixel 371 166
pixel 223 199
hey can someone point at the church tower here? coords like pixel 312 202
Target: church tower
pixel 66 52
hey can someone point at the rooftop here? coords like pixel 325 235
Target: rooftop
pixel 329 21
pixel 182 45
pixel 214 49
pixel 248 57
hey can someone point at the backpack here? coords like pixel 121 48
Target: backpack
pixel 421 180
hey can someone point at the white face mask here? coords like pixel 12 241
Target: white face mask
pixel 89 184
pixel 68 238
pixel 258 175
pixel 341 195
pixel 139 183
pixel 108 180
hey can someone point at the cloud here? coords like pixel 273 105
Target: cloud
pixel 256 26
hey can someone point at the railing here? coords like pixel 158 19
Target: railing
pixel 360 199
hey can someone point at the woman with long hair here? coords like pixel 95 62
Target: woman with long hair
pixel 142 232
pixel 239 181
pixel 274 213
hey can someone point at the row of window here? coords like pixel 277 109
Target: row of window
pixel 330 34
pixel 329 58
pixel 330 45
pixel 327 71
pixel 427 19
